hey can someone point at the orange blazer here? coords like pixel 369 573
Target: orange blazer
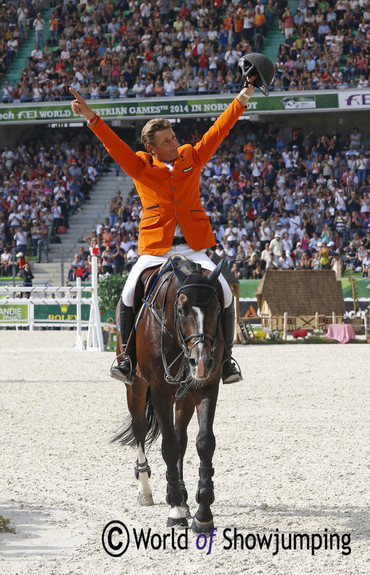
pixel 173 197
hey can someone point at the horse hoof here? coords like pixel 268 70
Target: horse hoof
pixel 200 527
pixel 179 522
pixel 145 500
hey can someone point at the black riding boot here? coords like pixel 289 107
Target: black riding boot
pixel 125 370
pixel 230 369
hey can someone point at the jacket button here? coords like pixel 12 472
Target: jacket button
pixel 173 189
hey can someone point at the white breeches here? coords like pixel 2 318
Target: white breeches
pixel 147 261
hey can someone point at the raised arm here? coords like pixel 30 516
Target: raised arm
pixel 119 150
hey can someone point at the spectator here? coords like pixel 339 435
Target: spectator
pixel 131 257
pixel 285 261
pixel 271 264
pixel 6 263
pixel 276 247
pixel 27 276
pixel 21 261
pixel 42 240
pixel 366 265
pixel 39 24
pixel 324 256
pixel 336 265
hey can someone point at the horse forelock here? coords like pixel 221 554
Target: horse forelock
pixel 198 289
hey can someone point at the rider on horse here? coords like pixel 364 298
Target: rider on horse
pixel 173 221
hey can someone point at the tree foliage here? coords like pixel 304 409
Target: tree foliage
pixel 109 290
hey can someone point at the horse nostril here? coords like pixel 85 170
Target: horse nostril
pixel 201 366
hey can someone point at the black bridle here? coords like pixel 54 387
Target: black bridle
pixel 204 338
pixel 183 376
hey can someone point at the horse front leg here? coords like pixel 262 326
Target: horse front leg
pixel 205 443
pixel 183 415
pixel 171 453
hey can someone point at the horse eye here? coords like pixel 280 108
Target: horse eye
pixel 180 311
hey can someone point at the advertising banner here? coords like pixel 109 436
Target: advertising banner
pixel 54 312
pixel 247 288
pixel 354 100
pixel 14 313
pixel 178 107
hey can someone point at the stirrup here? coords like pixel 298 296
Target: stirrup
pixel 117 373
pixel 235 373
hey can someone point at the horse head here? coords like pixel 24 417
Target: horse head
pixel 197 313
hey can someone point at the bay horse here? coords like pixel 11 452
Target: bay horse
pixel 180 349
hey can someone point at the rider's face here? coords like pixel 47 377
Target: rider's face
pixel 165 147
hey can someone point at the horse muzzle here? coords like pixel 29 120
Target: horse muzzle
pixel 201 366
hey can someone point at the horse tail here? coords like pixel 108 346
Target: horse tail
pixel 153 431
pixel 125 435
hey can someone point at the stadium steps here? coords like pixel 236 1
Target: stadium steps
pixel 273 41
pixel 21 59
pixel 81 225
pixel 275 36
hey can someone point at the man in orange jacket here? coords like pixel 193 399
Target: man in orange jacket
pixel 173 221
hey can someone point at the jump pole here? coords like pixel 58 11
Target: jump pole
pixel 79 344
pixel 94 335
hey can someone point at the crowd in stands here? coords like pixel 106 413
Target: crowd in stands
pixel 44 181
pixel 17 19
pixel 312 192
pixel 302 204
pixel 123 48
pixel 326 46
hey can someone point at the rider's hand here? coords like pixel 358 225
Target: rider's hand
pixel 247 91
pixel 79 106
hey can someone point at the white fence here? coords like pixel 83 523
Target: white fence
pixel 20 311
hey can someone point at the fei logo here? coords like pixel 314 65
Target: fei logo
pixel 116 539
pixel 354 100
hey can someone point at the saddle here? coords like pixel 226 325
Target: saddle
pixel 149 277
pixel 143 286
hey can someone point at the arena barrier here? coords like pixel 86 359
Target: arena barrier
pixel 18 311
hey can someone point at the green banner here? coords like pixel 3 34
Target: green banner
pixel 178 107
pixel 361 286
pixel 108 316
pixel 247 288
pixel 53 312
pixel 13 313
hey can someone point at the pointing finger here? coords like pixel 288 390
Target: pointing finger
pixel 76 94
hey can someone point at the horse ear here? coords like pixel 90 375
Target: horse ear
pixel 180 276
pixel 212 278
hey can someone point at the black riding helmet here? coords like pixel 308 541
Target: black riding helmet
pixel 259 64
